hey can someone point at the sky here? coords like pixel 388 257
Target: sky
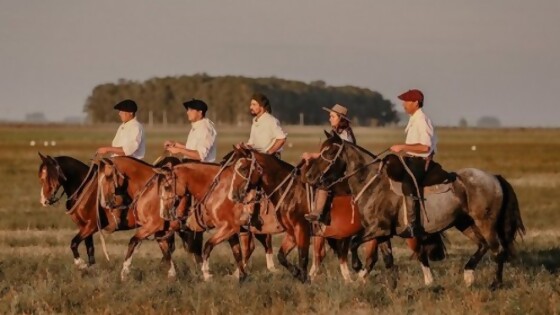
pixel 470 58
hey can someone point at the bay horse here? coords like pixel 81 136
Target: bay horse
pixel 482 206
pixel 141 183
pixel 210 186
pixel 79 185
pixel 280 183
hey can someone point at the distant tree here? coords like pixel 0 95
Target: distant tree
pixel 488 122
pixel 228 99
pixel 463 123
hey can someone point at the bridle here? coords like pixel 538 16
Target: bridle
pixel 53 198
pixel 329 161
pixel 254 166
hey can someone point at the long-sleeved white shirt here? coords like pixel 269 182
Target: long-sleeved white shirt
pixel 421 131
pixel 202 139
pixel 130 136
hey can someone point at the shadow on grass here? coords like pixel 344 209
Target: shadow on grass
pixel 547 258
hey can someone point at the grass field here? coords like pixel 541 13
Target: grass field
pixel 37 274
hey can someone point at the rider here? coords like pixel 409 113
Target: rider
pixel 340 124
pixel 129 141
pixel 201 142
pixel 267 136
pixel 130 138
pixel 419 149
pixel 200 145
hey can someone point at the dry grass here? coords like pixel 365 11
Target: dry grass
pixel 37 274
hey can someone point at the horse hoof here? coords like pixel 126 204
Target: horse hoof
pixel 273 270
pixel 207 277
pixel 495 285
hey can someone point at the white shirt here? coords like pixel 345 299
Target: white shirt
pixel 130 137
pixel 420 130
pixel 202 139
pixel 264 132
pixel 344 135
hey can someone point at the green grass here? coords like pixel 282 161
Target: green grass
pixel 37 274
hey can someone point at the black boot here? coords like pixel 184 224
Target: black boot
pixel 319 205
pixel 414 227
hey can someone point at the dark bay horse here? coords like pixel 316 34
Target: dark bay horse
pixel 69 174
pixel 482 206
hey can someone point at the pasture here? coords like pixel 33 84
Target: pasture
pixel 37 274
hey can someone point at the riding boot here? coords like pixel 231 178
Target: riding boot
pixel 319 204
pixel 414 226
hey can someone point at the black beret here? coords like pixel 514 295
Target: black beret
pixel 196 104
pixel 127 106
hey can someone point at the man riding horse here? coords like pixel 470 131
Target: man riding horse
pixel 267 136
pixel 129 140
pixel 200 145
pixel 419 149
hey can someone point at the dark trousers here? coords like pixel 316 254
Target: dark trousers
pixel 418 167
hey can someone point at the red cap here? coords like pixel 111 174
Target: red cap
pixel 412 96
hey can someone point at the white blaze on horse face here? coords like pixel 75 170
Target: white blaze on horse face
pixel 43 180
pixel 43 199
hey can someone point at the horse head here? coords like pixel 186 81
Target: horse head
pixel 329 166
pixel 111 183
pixel 247 173
pixel 168 192
pixel 51 177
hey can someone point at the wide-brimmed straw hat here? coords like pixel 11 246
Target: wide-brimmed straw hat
pixel 338 109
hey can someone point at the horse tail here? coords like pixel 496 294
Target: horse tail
pixel 434 246
pixel 509 223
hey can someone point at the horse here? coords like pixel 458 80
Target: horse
pixel 77 182
pixel 482 206
pixel 140 181
pixel 254 168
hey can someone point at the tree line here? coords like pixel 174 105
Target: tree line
pixel 228 99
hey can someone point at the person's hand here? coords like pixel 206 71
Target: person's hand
pixel 397 148
pixel 306 156
pixel 172 150
pixel 102 151
pixel 168 143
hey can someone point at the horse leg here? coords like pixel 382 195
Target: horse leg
pixel 247 246
pixel 134 241
pixel 491 236
pixel 85 233
pixel 371 258
pixel 472 233
pixel 236 250
pixel 288 243
pixel 90 250
pixel 318 255
pixel 266 241
pixel 342 252
pixel 167 246
pixel 193 240
pixel 355 244
pixel 422 256
pixel 222 234
pixel 303 238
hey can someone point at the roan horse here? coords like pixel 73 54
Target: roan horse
pixel 69 174
pixel 482 206
pixel 282 184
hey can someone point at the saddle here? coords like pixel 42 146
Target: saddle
pixel 436 181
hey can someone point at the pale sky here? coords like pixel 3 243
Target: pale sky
pixel 471 58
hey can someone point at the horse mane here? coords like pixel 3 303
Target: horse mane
pixel 137 160
pixel 361 149
pixel 281 162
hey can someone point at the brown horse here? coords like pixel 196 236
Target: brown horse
pixel 141 182
pixel 482 206
pixel 210 186
pixel 79 185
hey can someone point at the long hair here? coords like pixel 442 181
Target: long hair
pixel 263 101
pixel 343 125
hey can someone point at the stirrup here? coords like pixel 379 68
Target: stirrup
pixel 312 217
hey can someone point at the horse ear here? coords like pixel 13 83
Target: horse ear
pixel 336 136
pixel 43 158
pixel 328 134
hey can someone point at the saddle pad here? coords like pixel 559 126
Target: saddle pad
pixel 396 187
